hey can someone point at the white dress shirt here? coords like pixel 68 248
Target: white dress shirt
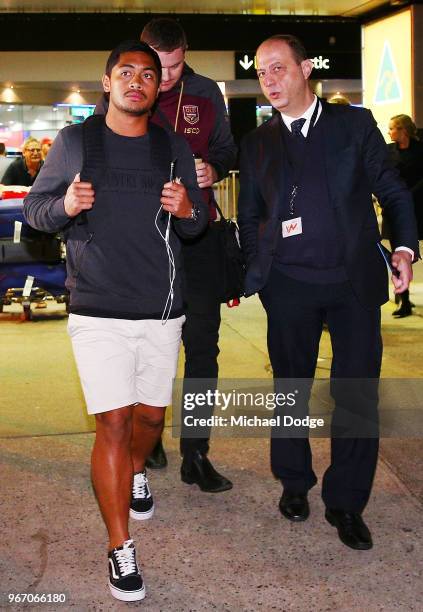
pixel 307 114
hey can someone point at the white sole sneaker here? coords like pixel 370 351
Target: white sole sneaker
pixel 141 516
pixel 127 595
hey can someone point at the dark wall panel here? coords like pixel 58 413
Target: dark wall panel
pixel 102 31
pixel 242 115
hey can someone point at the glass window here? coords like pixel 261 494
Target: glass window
pixel 18 121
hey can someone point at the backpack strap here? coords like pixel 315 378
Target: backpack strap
pixel 93 156
pixel 161 148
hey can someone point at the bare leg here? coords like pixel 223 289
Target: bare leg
pixel 147 427
pixel 112 470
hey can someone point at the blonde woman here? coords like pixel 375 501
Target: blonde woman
pixel 406 152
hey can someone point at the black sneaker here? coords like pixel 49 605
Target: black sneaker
pixel 125 580
pixel 142 504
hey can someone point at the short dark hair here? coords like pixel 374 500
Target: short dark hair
pixel 2 148
pixel 132 45
pixel 297 47
pixel 164 34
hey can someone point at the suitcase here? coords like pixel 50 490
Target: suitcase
pixel 20 243
pixel 29 250
pixel 11 211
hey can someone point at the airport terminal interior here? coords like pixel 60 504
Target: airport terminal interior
pixel 229 551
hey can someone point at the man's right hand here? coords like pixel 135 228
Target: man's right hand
pixel 79 197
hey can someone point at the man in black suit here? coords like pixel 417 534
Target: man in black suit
pixel 310 236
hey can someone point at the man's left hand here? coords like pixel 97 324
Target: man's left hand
pixel 401 261
pixel 176 201
pixel 206 174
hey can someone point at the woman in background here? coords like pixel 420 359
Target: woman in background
pixel 406 152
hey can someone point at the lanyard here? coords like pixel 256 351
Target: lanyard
pixel 300 168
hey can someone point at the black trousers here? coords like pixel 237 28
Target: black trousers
pixel 296 312
pixel 200 333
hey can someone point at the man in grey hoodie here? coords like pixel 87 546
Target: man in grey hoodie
pixel 105 185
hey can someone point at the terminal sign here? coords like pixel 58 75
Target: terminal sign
pixel 326 65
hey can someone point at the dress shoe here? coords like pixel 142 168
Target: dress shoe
pixel 404 310
pixel 197 469
pixel 294 506
pixel 352 530
pixel 157 459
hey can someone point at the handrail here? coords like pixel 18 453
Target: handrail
pixel 226 193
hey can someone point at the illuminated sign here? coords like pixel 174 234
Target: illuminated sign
pixel 246 62
pixel 388 86
pixel 79 112
pixel 326 65
pixel 387 68
pixel 321 63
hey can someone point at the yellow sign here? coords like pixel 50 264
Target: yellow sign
pixel 387 68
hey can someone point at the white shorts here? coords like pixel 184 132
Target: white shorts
pixel 122 362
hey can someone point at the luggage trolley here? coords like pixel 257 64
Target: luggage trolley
pixel 32 263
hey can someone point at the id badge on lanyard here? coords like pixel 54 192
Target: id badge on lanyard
pixel 293 225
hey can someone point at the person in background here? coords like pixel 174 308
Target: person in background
pixel 339 98
pixel 193 106
pixel 406 153
pixel 45 147
pixel 4 160
pixel 24 170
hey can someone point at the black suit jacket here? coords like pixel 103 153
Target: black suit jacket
pixel 355 155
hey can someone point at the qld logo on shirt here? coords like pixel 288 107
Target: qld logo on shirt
pixel 191 114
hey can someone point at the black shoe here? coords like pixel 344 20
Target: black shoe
pixel 352 530
pixel 405 310
pixel 294 506
pixel 125 580
pixel 197 469
pixel 142 503
pixel 157 459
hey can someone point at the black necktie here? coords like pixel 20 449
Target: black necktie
pixel 296 127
